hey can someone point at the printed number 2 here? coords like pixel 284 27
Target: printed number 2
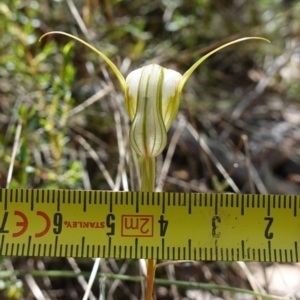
pixel 268 235
pixel 163 225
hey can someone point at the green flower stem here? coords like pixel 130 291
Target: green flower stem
pixel 165 282
pixel 148 174
pixel 148 181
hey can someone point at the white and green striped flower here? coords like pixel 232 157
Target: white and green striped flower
pixel 152 95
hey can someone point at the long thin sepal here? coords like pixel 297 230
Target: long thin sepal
pixel 189 72
pixel 103 56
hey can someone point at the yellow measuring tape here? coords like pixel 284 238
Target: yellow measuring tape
pixel 176 226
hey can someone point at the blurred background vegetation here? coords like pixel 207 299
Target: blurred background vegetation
pixel 63 125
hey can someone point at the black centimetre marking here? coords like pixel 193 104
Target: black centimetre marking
pixel 92 197
pixel 1 245
pixel 109 246
pixel 17 196
pixel 295 206
pixel 52 194
pixel 163 248
pixel 50 249
pixel 169 195
pixel 28 245
pixel 31 192
pixel 5 199
pixel 227 200
pixel 253 201
pixel 269 206
pixel 265 255
pixel 243 249
pixel 216 204
pixel 57 199
pixel 66 250
pixel 190 249
pixel 55 245
pixel 43 196
pixel 87 250
pixel 136 242
pixel 285 253
pixel 242 207
pixel 77 250
pixel 190 202
pixel 119 199
pixel 84 199
pixel 141 251
pixel 106 197
pixel 110 202
pixel 147 254
pixel 79 194
pixel 82 246
pixel 142 199
pixel 270 250
pixel 135 196
pixel 64 196
pixel 216 249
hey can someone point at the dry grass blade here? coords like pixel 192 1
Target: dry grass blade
pixel 96 158
pixel 92 278
pixel 206 149
pixel 81 278
pixel 253 282
pixel 121 145
pixel 78 18
pixel 14 153
pixel 88 102
pixel 36 291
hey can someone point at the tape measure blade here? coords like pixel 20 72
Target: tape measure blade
pixel 178 226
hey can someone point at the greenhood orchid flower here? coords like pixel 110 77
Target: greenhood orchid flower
pixel 152 96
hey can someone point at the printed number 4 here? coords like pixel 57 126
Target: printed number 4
pixel 163 225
